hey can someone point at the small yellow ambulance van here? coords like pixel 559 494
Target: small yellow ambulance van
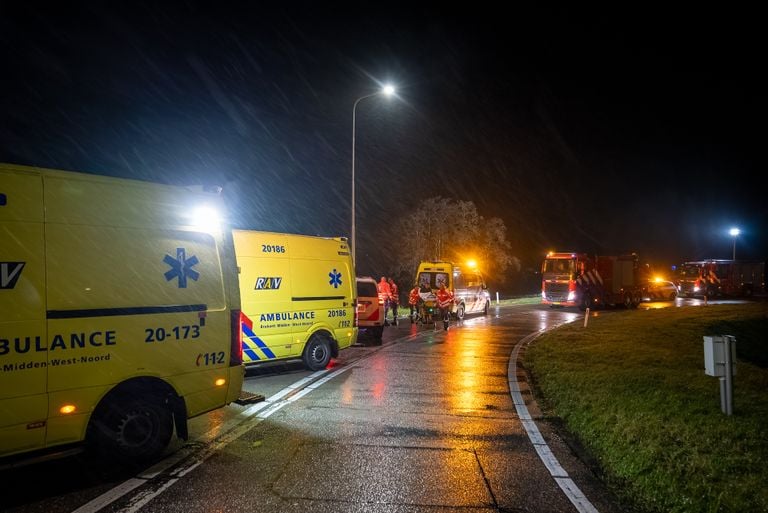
pixel 465 282
pixel 298 296
pixel 119 313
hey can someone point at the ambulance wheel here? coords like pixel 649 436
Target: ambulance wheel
pixel 486 308
pixel 132 430
pixel 628 300
pixel 377 332
pixel 586 301
pixel 459 312
pixel 317 354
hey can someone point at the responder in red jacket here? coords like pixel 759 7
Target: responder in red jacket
pixel 413 302
pixel 385 295
pixel 394 300
pixel 444 303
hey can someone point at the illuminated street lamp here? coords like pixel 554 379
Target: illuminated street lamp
pixel 387 90
pixel 734 233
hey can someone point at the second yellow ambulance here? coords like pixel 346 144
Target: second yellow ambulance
pixel 298 297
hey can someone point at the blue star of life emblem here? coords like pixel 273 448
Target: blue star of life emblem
pixel 335 279
pixel 181 268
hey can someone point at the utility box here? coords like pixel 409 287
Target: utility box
pixel 714 355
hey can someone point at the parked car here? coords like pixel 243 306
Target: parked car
pixel 662 290
pixel 370 309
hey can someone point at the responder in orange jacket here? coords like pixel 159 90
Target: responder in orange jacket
pixel 385 295
pixel 413 302
pixel 394 300
pixel 444 303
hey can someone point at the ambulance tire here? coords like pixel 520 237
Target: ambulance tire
pixel 487 308
pixel 586 301
pixel 132 430
pixel 459 312
pixel 376 333
pixel 317 353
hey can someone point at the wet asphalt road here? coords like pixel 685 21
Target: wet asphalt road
pixel 429 421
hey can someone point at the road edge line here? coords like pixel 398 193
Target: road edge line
pixel 566 484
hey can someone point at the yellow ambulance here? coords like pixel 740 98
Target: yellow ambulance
pixel 464 281
pixel 298 296
pixel 119 313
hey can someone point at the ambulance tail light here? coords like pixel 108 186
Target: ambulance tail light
pixel 236 344
pixel 357 316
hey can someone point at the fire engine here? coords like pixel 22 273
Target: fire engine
pixel 714 278
pixel 586 281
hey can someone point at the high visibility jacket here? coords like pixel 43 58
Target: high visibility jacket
pixel 413 297
pixel 444 298
pixel 385 293
pixel 394 296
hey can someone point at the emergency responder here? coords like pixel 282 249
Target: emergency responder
pixel 394 300
pixel 413 302
pixel 444 303
pixel 385 294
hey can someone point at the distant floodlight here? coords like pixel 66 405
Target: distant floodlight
pixel 388 90
pixel 734 233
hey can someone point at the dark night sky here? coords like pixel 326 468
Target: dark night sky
pixel 597 131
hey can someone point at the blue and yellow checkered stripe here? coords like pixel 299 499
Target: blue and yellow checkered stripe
pixel 253 346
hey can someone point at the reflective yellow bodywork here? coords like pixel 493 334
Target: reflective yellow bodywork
pixel 105 281
pixel 293 287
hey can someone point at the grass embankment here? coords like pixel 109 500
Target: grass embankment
pixel 521 300
pixel 631 388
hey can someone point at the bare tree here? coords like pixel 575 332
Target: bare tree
pixel 452 230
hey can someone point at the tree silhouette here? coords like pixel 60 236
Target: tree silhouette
pixel 452 230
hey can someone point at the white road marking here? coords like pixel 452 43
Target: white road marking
pixel 237 427
pixel 232 430
pixel 569 488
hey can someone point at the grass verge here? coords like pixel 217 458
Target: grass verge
pixel 631 388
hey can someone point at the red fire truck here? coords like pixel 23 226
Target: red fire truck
pixel 713 278
pixel 586 281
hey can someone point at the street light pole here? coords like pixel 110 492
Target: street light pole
pixel 387 90
pixel 734 233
